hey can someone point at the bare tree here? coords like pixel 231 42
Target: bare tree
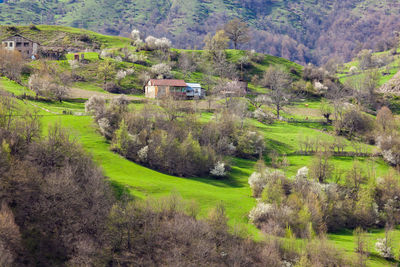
pixel 362 249
pixel 364 86
pixel 321 168
pixel 385 120
pixel 259 100
pixel 50 81
pixel 278 80
pixel 237 31
pixel 11 63
pixel 229 91
pixel 187 64
pixel 326 111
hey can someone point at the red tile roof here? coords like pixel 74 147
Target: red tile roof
pixel 168 82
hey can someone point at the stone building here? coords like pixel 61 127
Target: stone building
pixel 26 47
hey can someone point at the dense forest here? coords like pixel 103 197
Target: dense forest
pixel 302 31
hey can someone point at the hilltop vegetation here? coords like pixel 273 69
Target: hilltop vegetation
pixel 302 31
pixel 64 37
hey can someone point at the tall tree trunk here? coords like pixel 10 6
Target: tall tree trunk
pixel 278 109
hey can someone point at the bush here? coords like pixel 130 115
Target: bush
pixel 85 38
pixel 263 116
pixel 33 27
pixel 250 144
pixel 219 170
pixel 135 35
pixel 161 71
pixel 26 70
pixel 354 123
pixel 258 180
pixel 384 248
pixel 112 88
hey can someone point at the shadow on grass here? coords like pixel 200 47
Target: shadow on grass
pixel 119 189
pixel 345 232
pixel 278 146
pixel 378 258
pixel 225 182
pixel 238 176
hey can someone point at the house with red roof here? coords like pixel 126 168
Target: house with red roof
pixel 165 88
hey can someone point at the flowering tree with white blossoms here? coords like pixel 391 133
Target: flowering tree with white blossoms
pixel 219 170
pixel 302 173
pixel 383 248
pixel 135 35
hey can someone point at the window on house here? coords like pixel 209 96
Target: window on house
pixel 26 44
pixel 10 44
pixel 18 44
pixel 5 44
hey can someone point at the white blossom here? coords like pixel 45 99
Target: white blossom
pixel 219 170
pixel 257 181
pixel 130 71
pixel 389 156
pixel 95 105
pixel 105 53
pixel 137 57
pixel 353 69
pixel 135 35
pixel 163 43
pixel 121 74
pixel 302 173
pixel 261 212
pixel 151 42
pixel 383 248
pixel 263 116
pixel 161 69
pixel 320 87
pixel 104 125
pixel 142 153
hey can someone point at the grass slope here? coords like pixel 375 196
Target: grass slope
pixel 143 182
pixel 387 72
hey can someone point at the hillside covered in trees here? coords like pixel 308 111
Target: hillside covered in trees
pixel 302 31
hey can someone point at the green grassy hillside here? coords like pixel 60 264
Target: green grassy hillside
pixel 386 72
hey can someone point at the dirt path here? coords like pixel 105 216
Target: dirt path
pixel 36 106
pixel 80 93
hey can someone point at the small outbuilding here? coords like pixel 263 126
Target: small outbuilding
pixel 52 52
pixel 194 90
pixel 165 88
